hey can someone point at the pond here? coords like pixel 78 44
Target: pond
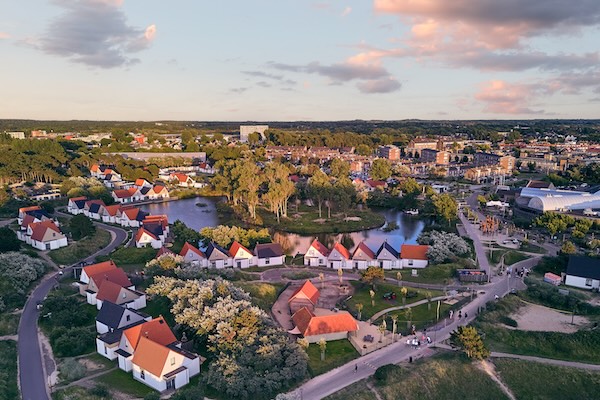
pixel 409 227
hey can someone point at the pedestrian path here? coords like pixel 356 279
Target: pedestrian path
pixel 551 361
pixel 417 303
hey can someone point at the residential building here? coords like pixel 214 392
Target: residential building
pixel 193 255
pixel 583 272
pixel 389 152
pixel 76 205
pixel 323 324
pixel 387 256
pixel 269 254
pixel 316 255
pixel 43 235
pixel 414 255
pixel 112 317
pixel 363 257
pixel 217 256
pixel 435 157
pixel 306 295
pixel 339 257
pixel 242 257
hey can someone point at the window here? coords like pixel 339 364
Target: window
pixel 213 264
pixel 267 261
pixel 320 261
pixel 356 265
pixel 410 262
pixel 588 282
pixel 172 360
pixel 128 318
pixel 105 350
pixel 142 374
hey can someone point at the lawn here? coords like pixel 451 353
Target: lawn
pixel 8 370
pixel 130 256
pixel 510 257
pixel 532 248
pixel 123 382
pixel 338 352
pixel 442 274
pixel 299 275
pixel 557 383
pixel 75 393
pixel 361 295
pixel 81 249
pixel 447 376
pixel 9 324
pixel 422 317
pixel 263 294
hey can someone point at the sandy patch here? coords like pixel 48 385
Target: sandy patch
pixel 319 220
pixel 534 317
pixel 353 219
pixel 90 365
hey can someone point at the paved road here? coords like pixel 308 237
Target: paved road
pixel 34 385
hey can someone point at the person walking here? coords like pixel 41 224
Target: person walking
pixel 466 316
pixel 355 368
pixel 459 314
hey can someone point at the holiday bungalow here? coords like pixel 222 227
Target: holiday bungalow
pixel 306 295
pixel 269 254
pixel 323 324
pixel 217 256
pixel 339 257
pixel 192 255
pixel 92 208
pixel 43 235
pixel 413 255
pixel 112 317
pixel 131 217
pixel 363 257
pixel 144 238
pixel 125 196
pixel 110 214
pixel 387 256
pixel 76 205
pixel 242 257
pixel 316 255
pixel 583 272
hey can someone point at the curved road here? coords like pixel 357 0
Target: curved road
pixel 31 372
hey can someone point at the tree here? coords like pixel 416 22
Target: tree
pixel 81 226
pixel 381 169
pixel 372 294
pixel 531 166
pixel 481 200
pixel 303 342
pixel 317 188
pixel 403 292
pixel 359 308
pixel 363 150
pixel 443 246
pixel 399 278
pixel 568 248
pixel 339 168
pixel 322 347
pixel 429 296
pixel 8 240
pixel 382 329
pixel 408 316
pixel 372 275
pixel 445 206
pixel 340 273
pixel 394 323
pixel 467 338
pixel 322 279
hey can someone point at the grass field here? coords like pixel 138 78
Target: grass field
pixel 441 274
pixel 422 317
pixel 8 370
pixel 125 383
pixel 510 257
pixel 338 352
pixel 131 256
pixel 356 391
pixel 75 393
pixel 551 382
pixel 361 295
pixel 263 294
pixel 81 249
pixel 447 376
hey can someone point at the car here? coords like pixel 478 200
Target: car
pixel 515 241
pixel 506 241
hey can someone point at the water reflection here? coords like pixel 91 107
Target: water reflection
pixel 409 227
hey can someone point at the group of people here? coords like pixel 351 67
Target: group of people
pixel 460 314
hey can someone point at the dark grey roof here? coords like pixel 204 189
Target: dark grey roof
pixel 212 247
pixel 95 207
pixel 144 190
pixel 388 247
pixel 584 267
pixel 141 215
pixel 268 250
pixel 38 214
pixel 110 314
pixel 80 203
pixel 155 228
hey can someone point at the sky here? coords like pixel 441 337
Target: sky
pixel 286 60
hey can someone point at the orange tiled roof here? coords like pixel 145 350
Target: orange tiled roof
pixel 151 356
pixel 320 247
pixel 116 275
pixel 112 210
pixel 414 251
pixel 235 247
pixel 109 291
pixel 365 249
pixel 156 330
pixel 188 247
pixel 310 324
pixel 131 213
pixel 307 290
pixel 30 208
pixel 342 250
pixel 93 269
pixel 140 232
pixel 38 229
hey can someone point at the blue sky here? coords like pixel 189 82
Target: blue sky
pixel 299 60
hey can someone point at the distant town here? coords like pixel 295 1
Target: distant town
pixel 299 260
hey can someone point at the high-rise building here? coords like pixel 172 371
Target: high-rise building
pixel 390 152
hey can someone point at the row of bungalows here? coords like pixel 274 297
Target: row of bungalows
pixel 136 194
pixel 386 257
pixel 153 232
pixel 106 282
pixel 237 256
pixel 107 175
pixel 129 217
pixel 39 230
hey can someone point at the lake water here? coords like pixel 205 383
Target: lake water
pixel 409 227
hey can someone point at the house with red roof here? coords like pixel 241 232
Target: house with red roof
pixel 144 238
pixel 363 257
pixel 193 255
pixel 86 272
pixel 157 192
pixel 339 257
pixel 374 185
pixel 182 180
pixel 110 214
pixel 131 217
pixel 155 357
pixel 120 295
pixel 414 255
pixel 306 295
pixel 242 257
pixel 43 235
pixel 323 324
pixel 316 255
pixel 141 182
pixel 125 196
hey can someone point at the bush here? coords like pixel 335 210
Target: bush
pixel 382 373
pixel 508 321
pixel 152 396
pixel 72 342
pixel 100 391
pixel 72 370
pixel 191 393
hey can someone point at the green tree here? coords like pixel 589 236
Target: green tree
pixel 359 308
pixel 568 248
pixel 468 339
pixel 339 168
pixel 363 150
pixel 8 240
pixel 81 226
pixel 481 200
pixel 318 187
pixel 381 169
pixel 445 206
pixel 372 275
pixel 408 316
pixel 322 347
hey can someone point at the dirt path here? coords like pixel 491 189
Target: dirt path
pixel 551 361
pixel 490 369
pixel 373 390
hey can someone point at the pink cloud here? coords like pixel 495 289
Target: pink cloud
pixel 500 97
pixel 4 35
pixel 150 32
pixel 346 11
